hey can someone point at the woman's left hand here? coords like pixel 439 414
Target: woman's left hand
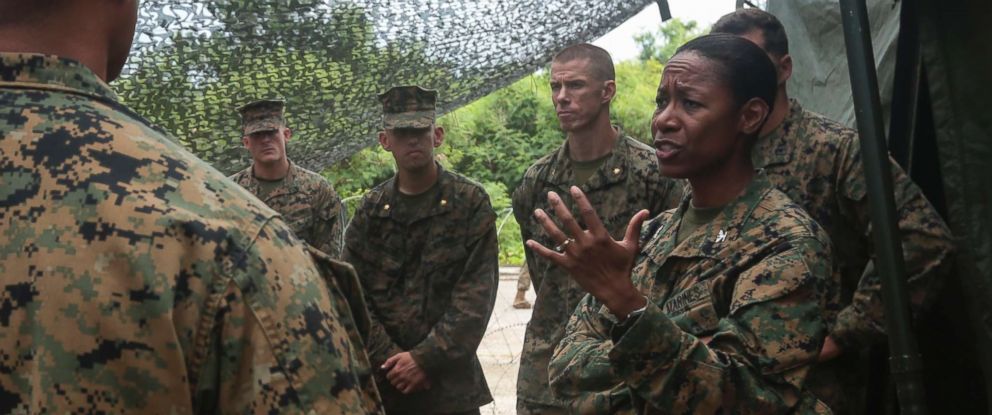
pixel 600 264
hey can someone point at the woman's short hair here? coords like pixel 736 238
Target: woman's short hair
pixel 744 66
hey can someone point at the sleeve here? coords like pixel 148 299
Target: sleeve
pixel 580 371
pixel 755 363
pixel 266 346
pixel 458 333
pixel 927 248
pixel 379 345
pixel 523 211
pixel 330 217
pixel 757 360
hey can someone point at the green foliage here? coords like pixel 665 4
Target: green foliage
pixel 661 44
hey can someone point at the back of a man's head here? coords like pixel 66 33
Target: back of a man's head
pixel 743 21
pixel 25 11
pixel 600 61
pixel 97 33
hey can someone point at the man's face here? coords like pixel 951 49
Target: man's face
pixel 696 126
pixel 783 64
pixel 579 97
pixel 267 147
pixel 412 148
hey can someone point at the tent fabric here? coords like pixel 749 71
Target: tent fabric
pixel 958 60
pixel 194 62
pixel 820 78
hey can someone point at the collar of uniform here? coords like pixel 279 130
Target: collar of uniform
pixel 612 171
pixel 773 148
pixel 706 241
pixel 288 184
pixel 49 72
pixel 386 205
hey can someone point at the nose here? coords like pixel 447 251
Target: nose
pixel 561 97
pixel 664 120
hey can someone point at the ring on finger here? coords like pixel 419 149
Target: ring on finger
pixel 561 248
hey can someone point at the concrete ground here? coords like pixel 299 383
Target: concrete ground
pixel 499 351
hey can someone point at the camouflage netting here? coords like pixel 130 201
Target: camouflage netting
pixel 195 61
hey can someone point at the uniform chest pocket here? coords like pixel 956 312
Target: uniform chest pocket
pixel 387 273
pixel 693 309
pixel 442 260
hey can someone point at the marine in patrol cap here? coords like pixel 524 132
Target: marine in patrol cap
pixel 262 115
pixel 408 107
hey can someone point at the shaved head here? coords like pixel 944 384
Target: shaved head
pixel 600 61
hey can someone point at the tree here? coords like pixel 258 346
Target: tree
pixel 661 44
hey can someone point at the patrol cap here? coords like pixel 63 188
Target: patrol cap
pixel 408 107
pixel 262 115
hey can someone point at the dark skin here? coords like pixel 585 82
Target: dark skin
pixel 97 34
pixel 701 135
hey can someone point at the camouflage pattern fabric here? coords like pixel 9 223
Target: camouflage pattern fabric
pixel 817 163
pixel 430 278
pixel 408 107
pixel 626 183
pixel 263 115
pixel 307 202
pixel 137 279
pixel 734 322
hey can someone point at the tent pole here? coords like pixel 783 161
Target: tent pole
pixel 905 363
pixel 666 12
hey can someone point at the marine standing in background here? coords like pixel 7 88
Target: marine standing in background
pixel 817 162
pixel 424 244
pixel 618 174
pixel 307 202
pixel 136 278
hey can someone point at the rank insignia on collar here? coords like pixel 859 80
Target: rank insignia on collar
pixel 720 237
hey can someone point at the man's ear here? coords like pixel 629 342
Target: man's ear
pixel 287 133
pixel 438 136
pixel 609 91
pixel 244 141
pixel 784 69
pixel 752 116
pixel 383 140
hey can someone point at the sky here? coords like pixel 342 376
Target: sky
pixel 620 41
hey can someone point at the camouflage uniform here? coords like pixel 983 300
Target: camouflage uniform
pixel 137 279
pixel 430 277
pixel 735 318
pixel 626 183
pixel 817 163
pixel 306 201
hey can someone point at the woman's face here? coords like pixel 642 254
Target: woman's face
pixel 697 126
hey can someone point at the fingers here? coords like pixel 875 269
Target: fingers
pixel 563 213
pixel 633 234
pixel 557 258
pixel 390 362
pixel 588 213
pixel 549 226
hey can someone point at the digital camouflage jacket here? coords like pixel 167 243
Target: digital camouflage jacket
pixel 307 203
pixel 734 322
pixel 626 183
pixel 137 279
pixel 817 163
pixel 430 278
